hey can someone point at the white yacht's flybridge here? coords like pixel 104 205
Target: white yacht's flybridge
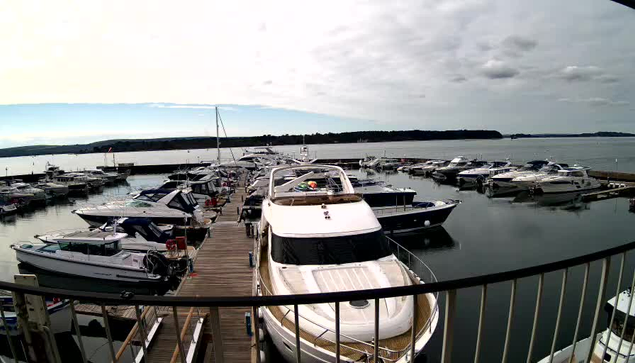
pixel 318 236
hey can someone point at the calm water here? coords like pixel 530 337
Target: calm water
pixel 599 153
pixel 481 236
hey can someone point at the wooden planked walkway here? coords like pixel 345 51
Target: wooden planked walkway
pixel 221 268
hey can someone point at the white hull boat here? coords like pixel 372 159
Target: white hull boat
pixel 568 180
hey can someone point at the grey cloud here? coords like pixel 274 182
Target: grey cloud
pixel 518 43
pixel 495 69
pixel 607 78
pixel 595 101
pixel 578 73
pixel 458 79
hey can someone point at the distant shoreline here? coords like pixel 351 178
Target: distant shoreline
pixel 186 143
pixel 586 134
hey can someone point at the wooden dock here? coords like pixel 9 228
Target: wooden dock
pixel 221 268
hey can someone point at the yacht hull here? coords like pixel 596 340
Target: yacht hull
pixel 86 269
pixel 98 220
pixel 396 220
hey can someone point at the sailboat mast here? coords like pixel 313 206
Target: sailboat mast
pixel 217 139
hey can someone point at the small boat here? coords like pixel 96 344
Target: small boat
pixel 8 208
pixel 309 244
pixel 368 162
pixel 415 217
pixel 58 310
pixel 108 178
pixel 528 181
pixel 608 344
pixel 448 174
pixel 478 176
pixel 54 190
pixel 37 195
pixel 202 190
pixel 573 179
pixel 426 169
pixel 75 187
pixel 100 258
pixel 142 235
pixel 379 194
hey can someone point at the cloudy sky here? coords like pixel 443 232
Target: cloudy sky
pixel 88 70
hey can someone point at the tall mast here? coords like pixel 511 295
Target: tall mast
pixel 217 138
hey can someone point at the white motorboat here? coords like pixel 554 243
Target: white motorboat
pixel 573 179
pixel 427 168
pixel 528 181
pixel 309 244
pixel 37 195
pixel 58 310
pixel 415 217
pixel 619 348
pixel 108 178
pixel 54 190
pixel 100 258
pixel 379 194
pixel 7 208
pixel 449 173
pixel 368 162
pixel 259 152
pixel 176 207
pixel 75 186
pixel 202 190
pixel 480 175
pixel 142 235
pixel 504 180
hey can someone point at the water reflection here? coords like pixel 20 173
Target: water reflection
pixel 561 201
pixel 433 240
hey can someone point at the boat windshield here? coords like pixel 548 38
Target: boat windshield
pixel 330 250
pixel 618 323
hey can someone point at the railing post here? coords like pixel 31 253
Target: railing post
pixel 448 329
pixel 582 296
pixel 111 348
pixel 142 331
pixel 617 294
pixel 563 292
pixel 376 342
pixel 606 264
pixel 77 332
pixel 8 334
pixel 298 350
pixel 256 325
pixel 534 328
pixel 481 320
pixel 337 332
pixel 217 338
pixel 512 305
pixel 630 303
pixel 175 315
pixel 413 336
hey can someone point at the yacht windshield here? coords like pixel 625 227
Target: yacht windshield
pixel 330 250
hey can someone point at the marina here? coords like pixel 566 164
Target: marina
pixel 221 263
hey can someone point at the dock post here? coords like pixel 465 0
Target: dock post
pixel 217 340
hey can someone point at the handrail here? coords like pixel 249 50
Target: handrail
pixel 331 297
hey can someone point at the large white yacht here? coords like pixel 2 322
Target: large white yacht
pixel 319 237
pixel 504 180
pixel 620 347
pixel 525 182
pixel 567 180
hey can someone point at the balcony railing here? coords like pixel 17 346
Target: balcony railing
pixel 449 288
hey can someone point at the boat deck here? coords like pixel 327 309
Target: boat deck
pixel 221 268
pixel 391 348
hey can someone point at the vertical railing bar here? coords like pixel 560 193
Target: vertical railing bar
pixel 217 339
pixel 77 332
pixel 617 295
pixel 337 332
pixel 413 337
pixel 606 264
pixel 448 329
pixel 256 319
pixel 376 345
pixel 585 282
pixel 132 351
pixel 534 329
pixel 298 350
pixel 508 333
pixel 104 314
pixel 481 320
pixel 563 292
pixel 630 303
pixel 6 331
pixel 175 315
pixel 630 348
pixel 142 331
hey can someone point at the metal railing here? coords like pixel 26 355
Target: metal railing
pixel 449 287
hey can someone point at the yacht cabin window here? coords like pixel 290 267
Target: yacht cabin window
pixel 98 249
pixel 329 250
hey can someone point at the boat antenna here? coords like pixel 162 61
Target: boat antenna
pixel 217 138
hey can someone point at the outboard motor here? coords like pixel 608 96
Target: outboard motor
pixel 156 263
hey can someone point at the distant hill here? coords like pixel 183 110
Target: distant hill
pixel 586 134
pixel 210 142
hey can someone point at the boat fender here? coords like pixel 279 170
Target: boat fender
pixel 261 335
pixel 426 223
pixel 126 295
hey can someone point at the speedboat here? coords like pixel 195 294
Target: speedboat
pixel 427 168
pixel 479 175
pixel 8 208
pixel 100 258
pixel 142 235
pixel 309 244
pixel 379 194
pixel 573 179
pixel 54 190
pixel 202 190
pixel 175 207
pixel 503 181
pixel 250 154
pixel 609 344
pixel 448 174
pixel 415 217
pixel 528 181
pixel 37 195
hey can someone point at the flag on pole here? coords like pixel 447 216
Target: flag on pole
pixel 110 149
